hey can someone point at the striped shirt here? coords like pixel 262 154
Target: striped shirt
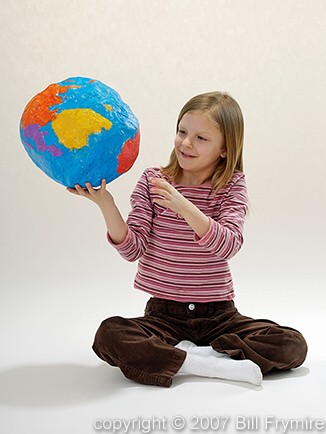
pixel 174 263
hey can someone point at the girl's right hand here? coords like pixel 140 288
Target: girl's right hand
pixel 100 195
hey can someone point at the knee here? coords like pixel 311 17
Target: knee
pixel 109 330
pixel 293 347
pixel 108 335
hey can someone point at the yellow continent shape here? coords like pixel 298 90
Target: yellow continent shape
pixel 73 126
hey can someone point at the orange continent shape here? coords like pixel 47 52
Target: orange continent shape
pixel 37 110
pixel 128 154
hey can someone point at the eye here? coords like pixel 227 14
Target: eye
pixel 181 132
pixel 202 138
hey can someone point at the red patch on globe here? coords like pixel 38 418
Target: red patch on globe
pixel 128 154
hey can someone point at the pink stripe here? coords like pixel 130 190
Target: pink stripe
pixel 173 262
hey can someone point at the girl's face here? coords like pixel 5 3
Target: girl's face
pixel 198 146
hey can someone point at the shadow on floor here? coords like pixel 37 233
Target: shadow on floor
pixel 59 385
pixel 302 371
pixel 65 385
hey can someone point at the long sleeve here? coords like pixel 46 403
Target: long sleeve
pixel 139 221
pixel 224 237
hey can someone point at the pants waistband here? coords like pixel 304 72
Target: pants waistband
pixel 187 308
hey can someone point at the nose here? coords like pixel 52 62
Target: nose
pixel 187 142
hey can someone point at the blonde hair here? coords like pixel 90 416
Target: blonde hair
pixel 226 115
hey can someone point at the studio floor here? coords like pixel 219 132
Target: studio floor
pixel 51 382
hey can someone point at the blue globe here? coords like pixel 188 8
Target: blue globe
pixel 79 130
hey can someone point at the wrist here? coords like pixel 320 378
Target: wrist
pixel 197 220
pixel 106 203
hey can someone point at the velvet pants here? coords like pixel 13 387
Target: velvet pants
pixel 143 347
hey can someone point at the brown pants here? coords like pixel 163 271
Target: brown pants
pixel 143 348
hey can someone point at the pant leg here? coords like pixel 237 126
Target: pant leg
pixel 143 348
pixel 269 345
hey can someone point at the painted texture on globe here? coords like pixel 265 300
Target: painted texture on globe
pixel 79 130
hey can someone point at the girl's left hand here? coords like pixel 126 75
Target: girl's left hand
pixel 170 197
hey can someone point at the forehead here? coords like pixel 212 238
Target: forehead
pixel 198 120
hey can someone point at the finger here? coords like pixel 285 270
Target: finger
pixel 163 186
pixel 158 181
pixel 80 190
pixel 162 202
pixel 103 184
pixel 161 192
pixel 89 188
pixel 71 190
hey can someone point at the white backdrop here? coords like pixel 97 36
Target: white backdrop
pixel 57 271
pixel 157 55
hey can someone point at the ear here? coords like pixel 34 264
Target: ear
pixel 223 154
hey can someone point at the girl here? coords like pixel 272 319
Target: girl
pixel 185 224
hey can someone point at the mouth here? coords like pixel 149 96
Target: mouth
pixel 186 155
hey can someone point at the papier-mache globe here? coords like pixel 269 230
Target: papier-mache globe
pixel 79 130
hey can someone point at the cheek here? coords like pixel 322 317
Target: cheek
pixel 177 142
pixel 211 154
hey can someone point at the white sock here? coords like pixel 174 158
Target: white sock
pixel 190 347
pixel 215 366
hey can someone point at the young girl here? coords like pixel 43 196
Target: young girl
pixel 185 224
